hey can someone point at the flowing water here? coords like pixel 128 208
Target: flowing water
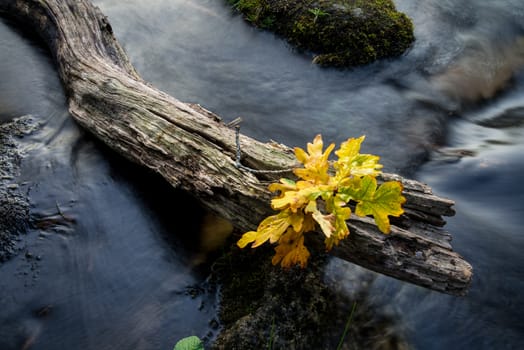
pixel 449 112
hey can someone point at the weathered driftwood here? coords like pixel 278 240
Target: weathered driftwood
pixel 195 151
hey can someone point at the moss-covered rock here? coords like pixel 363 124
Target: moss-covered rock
pixel 341 33
pixel 265 307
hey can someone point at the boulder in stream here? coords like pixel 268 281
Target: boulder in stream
pixel 340 33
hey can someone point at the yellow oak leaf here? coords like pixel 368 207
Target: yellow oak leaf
pixel 381 202
pixel 247 238
pixel 309 223
pixel 305 191
pixel 351 162
pixel 326 222
pixel 295 200
pixel 341 213
pixel 350 148
pixel 315 161
pixel 283 186
pixel 314 151
pixel 297 221
pixel 291 250
pixel 330 242
pixel 271 228
pixel 319 199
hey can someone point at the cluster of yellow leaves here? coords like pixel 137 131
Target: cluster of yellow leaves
pixel 319 198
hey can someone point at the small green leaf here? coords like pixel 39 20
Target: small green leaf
pixel 381 202
pixel 189 343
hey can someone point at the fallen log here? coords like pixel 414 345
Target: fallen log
pixel 195 151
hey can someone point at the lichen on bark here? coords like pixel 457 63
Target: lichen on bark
pixel 340 33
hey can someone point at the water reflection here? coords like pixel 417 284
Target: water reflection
pixel 28 82
pixel 116 263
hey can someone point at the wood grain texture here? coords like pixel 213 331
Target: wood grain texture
pixel 195 151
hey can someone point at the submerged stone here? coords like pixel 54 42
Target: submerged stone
pixel 341 33
pixel 14 205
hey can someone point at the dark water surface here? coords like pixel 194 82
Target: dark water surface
pixel 109 263
pixel 112 265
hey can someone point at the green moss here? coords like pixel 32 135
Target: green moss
pixel 243 275
pixel 340 33
pixel 263 305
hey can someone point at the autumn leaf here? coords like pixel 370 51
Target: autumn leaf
pixel 309 223
pixel 351 162
pixel 315 161
pixel 296 199
pixel 319 200
pixel 350 148
pixel 284 186
pixel 385 201
pixel 247 238
pixel 291 250
pixel 341 213
pixel 314 153
pixel 326 222
pixel 271 228
pixel 297 221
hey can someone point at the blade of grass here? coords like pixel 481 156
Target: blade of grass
pixel 346 328
pixel 271 335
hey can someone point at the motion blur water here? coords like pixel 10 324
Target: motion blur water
pixel 458 91
pixel 28 88
pixel 487 230
pixel 109 261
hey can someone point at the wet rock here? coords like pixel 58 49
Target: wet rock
pixel 510 118
pixel 14 206
pixel 451 155
pixel 339 33
pixel 265 307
